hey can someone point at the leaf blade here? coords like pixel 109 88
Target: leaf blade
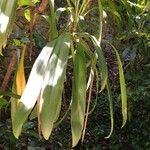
pixel 78 96
pixel 32 89
pixel 52 87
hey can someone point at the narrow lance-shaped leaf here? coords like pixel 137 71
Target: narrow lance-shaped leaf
pixel 19 83
pixel 101 62
pixel 110 108
pixel 51 94
pixel 123 89
pixel 101 59
pixel 32 89
pixel 20 76
pixel 122 85
pixel 78 95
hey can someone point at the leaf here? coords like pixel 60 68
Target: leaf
pixel 33 114
pixel 9 94
pixel 27 2
pixel 27 14
pixel 7 17
pixel 101 62
pixel 3 102
pixel 78 95
pixel 20 76
pixel 123 89
pixel 101 59
pixel 51 94
pixel 110 108
pixel 122 85
pixel 32 89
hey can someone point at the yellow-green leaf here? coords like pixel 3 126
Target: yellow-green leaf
pixel 122 85
pixel 20 76
pixel 101 59
pixel 101 62
pixel 110 108
pixel 78 95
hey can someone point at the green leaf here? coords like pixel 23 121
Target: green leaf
pixel 10 94
pixel 27 2
pixel 123 89
pixel 78 95
pixel 110 108
pixel 122 85
pixel 101 59
pixel 52 88
pixel 27 14
pixel 101 62
pixel 33 114
pixel 32 89
pixel 3 102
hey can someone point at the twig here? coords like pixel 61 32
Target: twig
pixel 10 69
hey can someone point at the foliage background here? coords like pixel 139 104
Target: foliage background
pixel 129 30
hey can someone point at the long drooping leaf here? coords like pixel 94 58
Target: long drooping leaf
pixel 78 95
pixel 51 94
pixel 20 76
pixel 101 62
pixel 19 83
pixel 7 16
pixel 110 108
pixel 123 89
pixel 101 59
pixel 122 85
pixel 32 89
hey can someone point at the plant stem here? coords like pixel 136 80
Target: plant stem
pixel 54 32
pixel 88 106
pixel 101 21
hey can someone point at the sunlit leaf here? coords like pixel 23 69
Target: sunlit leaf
pixel 51 94
pixel 27 14
pixel 32 89
pixel 20 76
pixel 7 17
pixel 27 2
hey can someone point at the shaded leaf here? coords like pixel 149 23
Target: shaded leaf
pixel 122 85
pixel 78 95
pixel 110 108
pixel 101 59
pixel 3 102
